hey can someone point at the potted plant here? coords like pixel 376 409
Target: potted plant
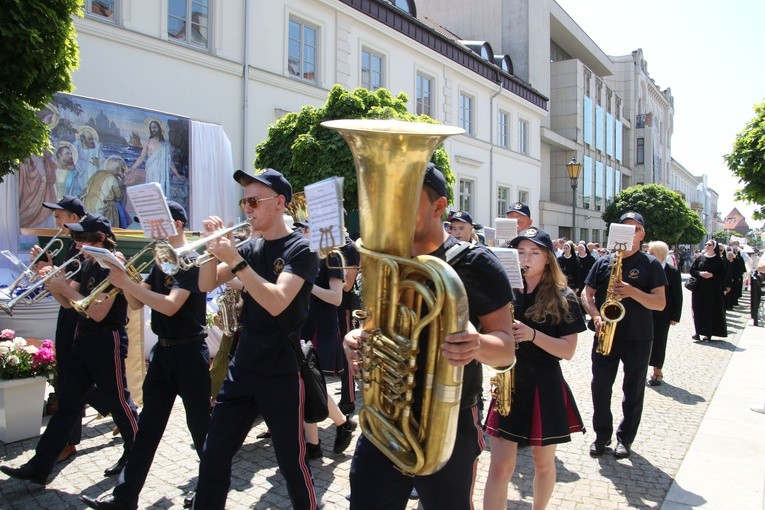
pixel 24 372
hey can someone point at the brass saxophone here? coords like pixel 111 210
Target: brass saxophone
pixel 390 158
pixel 228 310
pixel 612 311
pixel 503 382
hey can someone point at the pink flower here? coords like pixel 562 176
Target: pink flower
pixel 47 344
pixel 43 355
pixel 8 334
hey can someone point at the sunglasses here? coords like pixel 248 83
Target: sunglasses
pixel 253 202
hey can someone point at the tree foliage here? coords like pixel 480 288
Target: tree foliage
pixel 667 217
pixel 747 161
pixel 305 152
pixel 39 53
pixel 721 236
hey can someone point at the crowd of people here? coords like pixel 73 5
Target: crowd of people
pixel 287 291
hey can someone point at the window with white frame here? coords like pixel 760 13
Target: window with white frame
pixel 188 22
pixel 466 113
pixel 106 10
pixel 523 136
pixel 302 50
pixel 523 196
pixel 503 200
pixel 372 69
pixel 466 199
pixel 424 95
pixel 503 129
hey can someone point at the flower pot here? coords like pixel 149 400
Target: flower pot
pixel 21 407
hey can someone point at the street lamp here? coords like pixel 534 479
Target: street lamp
pixel 574 169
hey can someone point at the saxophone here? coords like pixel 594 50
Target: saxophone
pixel 612 311
pixel 228 310
pixel 503 383
pixel 390 158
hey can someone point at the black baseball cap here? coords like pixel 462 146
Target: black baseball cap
pixel 462 216
pixel 92 223
pixel 177 213
pixel 632 215
pixel 435 179
pixel 521 208
pixel 302 224
pixel 536 236
pixel 68 203
pixel 271 178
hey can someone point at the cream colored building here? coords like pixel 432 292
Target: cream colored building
pixel 243 65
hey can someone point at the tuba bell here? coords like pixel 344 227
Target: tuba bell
pixel 390 158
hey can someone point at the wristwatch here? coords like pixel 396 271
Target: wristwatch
pixel 241 265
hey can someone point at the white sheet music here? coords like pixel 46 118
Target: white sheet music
pixel 151 207
pixel 325 214
pixel 620 236
pixel 490 234
pixel 508 257
pixel 507 229
pixel 102 256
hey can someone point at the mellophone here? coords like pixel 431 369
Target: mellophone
pixel 28 288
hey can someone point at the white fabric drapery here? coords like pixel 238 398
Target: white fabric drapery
pixel 213 190
pixel 9 217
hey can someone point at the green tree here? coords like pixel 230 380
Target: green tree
pixel 305 152
pixel 747 161
pixel 721 236
pixel 38 56
pixel 667 217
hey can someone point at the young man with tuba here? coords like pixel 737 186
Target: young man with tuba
pixel 178 363
pixel 640 291
pixel 376 483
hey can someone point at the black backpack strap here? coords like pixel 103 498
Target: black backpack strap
pixel 458 251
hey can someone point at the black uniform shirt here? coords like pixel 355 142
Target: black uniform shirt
pixel 89 277
pixel 641 271
pixel 263 345
pixel 189 321
pixel 352 258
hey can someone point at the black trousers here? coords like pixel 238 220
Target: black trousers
pixel 95 359
pixel 180 370
pixel 376 484
pixel 245 395
pixel 634 355
pixel 659 347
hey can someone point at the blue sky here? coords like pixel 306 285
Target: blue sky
pixel 709 53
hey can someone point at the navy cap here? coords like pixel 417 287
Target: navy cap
pixel 521 208
pixel 631 215
pixel 271 178
pixel 301 224
pixel 462 216
pixel 435 179
pixel 68 203
pixel 92 223
pixel 536 236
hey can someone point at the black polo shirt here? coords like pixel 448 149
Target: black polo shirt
pixel 89 277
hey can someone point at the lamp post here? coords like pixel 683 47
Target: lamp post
pixel 573 168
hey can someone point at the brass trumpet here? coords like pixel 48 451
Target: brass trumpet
pixel 82 305
pixel 172 260
pixel 38 285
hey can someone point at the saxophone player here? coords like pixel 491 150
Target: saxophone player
pixel 178 364
pixel 375 481
pixel 640 291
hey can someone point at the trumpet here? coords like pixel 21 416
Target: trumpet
pixel 27 296
pixel 172 260
pixel 28 272
pixel 82 305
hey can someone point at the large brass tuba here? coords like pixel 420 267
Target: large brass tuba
pixel 612 311
pixel 390 158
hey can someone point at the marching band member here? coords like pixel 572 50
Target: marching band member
pixel 98 356
pixel 375 481
pixel 543 412
pixel 178 364
pixel 278 273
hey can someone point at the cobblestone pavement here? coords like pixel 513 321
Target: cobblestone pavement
pixel 671 416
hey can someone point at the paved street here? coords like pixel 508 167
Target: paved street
pixel 673 413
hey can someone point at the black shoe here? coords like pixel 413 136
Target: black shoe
pixel 344 435
pixel 622 450
pixel 598 448
pixel 348 407
pixel 706 339
pixel 116 468
pixel 25 472
pixel 264 435
pixel 107 501
pixel 696 337
pixel 188 500
pixel 313 451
